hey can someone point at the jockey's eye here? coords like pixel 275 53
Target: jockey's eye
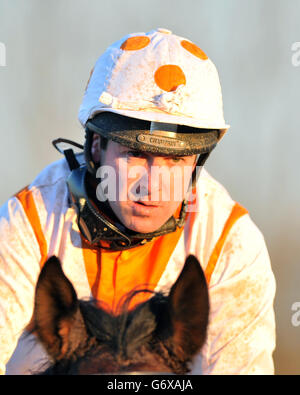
pixel 176 159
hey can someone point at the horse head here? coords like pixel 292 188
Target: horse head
pixel 162 334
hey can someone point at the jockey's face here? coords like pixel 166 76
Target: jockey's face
pixel 144 190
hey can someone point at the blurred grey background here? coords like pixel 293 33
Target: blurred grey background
pixel 51 47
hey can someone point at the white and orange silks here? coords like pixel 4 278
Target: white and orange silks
pixel 38 223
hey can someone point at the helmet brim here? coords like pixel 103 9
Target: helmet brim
pixel 136 134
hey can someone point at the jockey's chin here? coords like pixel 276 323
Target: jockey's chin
pixel 144 216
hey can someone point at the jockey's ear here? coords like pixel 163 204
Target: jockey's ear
pixel 189 309
pixel 57 319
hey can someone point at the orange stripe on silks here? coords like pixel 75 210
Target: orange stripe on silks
pixel 100 272
pixel 237 212
pixel 113 274
pixel 26 199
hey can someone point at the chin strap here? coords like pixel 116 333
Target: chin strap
pixel 200 163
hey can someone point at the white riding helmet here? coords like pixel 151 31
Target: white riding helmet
pixel 158 77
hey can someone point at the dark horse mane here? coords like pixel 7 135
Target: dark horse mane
pixel 161 334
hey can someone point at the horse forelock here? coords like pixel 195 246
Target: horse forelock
pixel 124 329
pixel 133 339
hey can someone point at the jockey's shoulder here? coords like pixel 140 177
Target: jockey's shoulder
pixel 54 174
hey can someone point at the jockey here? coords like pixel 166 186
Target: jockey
pixel 136 201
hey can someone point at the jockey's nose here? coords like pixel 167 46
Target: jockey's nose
pixel 158 177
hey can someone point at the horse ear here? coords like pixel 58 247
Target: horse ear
pixel 56 310
pixel 189 302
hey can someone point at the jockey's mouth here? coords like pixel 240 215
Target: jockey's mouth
pixel 141 208
pixel 147 203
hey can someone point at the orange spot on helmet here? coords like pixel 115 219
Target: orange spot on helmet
pixel 194 49
pixel 169 77
pixel 135 43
